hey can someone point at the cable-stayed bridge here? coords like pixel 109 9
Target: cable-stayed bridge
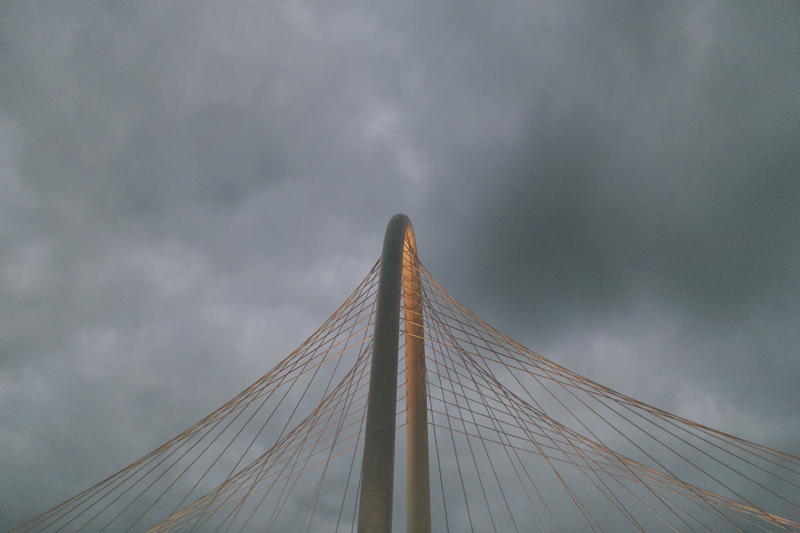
pixel 405 409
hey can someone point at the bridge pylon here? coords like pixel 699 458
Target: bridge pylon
pixel 399 270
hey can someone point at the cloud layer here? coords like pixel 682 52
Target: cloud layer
pixel 187 190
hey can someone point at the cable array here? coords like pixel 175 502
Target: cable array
pixel 517 443
pixel 241 467
pixel 523 444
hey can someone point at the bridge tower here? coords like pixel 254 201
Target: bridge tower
pixel 399 269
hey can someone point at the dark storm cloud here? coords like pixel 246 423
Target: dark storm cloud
pixel 184 185
pixel 662 178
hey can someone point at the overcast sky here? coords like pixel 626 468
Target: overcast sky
pixel 189 189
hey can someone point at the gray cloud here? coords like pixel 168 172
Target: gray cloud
pixel 189 190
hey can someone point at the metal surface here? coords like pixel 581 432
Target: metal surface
pixel 418 494
pixel 377 475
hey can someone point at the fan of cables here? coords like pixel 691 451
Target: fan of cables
pixel 517 443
